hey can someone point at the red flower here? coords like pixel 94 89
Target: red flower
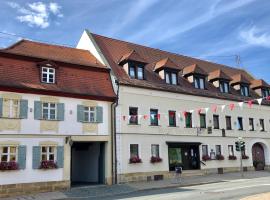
pixel 134 160
pixel 206 157
pixel 155 159
pixel 231 157
pixel 219 157
pixel 9 165
pixel 47 164
pixel 245 157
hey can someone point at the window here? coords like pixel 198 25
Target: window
pixel 228 123
pixel 155 150
pixel 154 117
pixel 11 108
pixel 49 111
pixel 244 90
pixel 218 149
pixel 230 150
pixel 224 87
pixel 8 153
pixel 204 150
pixel 199 82
pixel 133 115
pixel 188 120
pixel 89 114
pixel 202 120
pixel 240 123
pixel 171 78
pixel 136 71
pixel 48 75
pixel 265 93
pixel 262 124
pixel 48 153
pixel 216 121
pixel 172 118
pixel 134 150
pixel 251 124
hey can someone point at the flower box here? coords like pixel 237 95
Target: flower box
pixel 231 157
pixel 155 159
pixel 48 164
pixel 245 157
pixel 206 157
pixel 4 166
pixel 135 160
pixel 220 157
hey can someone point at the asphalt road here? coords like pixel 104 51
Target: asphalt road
pixel 232 190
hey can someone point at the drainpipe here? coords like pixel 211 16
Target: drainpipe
pixel 113 127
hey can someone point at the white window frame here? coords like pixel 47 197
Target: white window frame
pixel 48 153
pixel 230 150
pixel 89 110
pixel 49 108
pixel 158 146
pixel 8 154
pixel 130 149
pixel 224 87
pixel 46 71
pixel 199 82
pixel 12 107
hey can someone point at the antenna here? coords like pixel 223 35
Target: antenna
pixel 238 61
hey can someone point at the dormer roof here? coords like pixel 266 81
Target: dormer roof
pixel 239 78
pixel 193 69
pixel 165 63
pixel 218 74
pixel 131 56
pixel 259 83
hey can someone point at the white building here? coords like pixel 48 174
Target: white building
pixel 175 110
pixel 55 118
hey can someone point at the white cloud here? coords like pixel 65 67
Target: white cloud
pixel 37 13
pixel 256 37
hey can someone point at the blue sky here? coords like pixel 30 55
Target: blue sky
pixel 214 30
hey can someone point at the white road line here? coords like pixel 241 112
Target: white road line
pixel 241 187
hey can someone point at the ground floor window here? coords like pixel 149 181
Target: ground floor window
pixel 218 149
pixel 155 150
pixel 230 149
pixel 48 153
pixel 134 150
pixel 8 153
pixel 204 150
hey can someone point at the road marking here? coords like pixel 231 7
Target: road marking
pixel 241 187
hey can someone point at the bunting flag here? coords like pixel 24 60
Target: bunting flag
pixel 231 106
pixel 223 107
pixel 250 103
pixel 259 101
pixel 206 110
pixel 214 108
pixel 241 104
pixel 191 111
pixel 268 98
pixel 145 117
pixel 199 111
pixel 185 114
pixel 179 115
pixel 158 116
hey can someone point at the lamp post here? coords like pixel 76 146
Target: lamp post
pixel 241 147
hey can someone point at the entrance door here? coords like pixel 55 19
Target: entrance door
pixel 258 156
pixel 87 163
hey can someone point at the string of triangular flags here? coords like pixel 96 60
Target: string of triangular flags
pixel 205 110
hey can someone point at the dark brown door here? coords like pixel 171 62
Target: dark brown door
pixel 258 156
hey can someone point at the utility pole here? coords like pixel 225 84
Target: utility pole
pixel 240 146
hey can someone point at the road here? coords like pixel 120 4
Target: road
pixel 231 190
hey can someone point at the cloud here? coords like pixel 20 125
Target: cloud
pixel 37 13
pixel 256 37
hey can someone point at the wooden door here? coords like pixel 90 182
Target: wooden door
pixel 258 156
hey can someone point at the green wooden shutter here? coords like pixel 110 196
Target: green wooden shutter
pixel 36 157
pixel 22 156
pixel 37 110
pixel 80 115
pixel 60 111
pixel 23 109
pixel 60 156
pixel 99 114
pixel 1 107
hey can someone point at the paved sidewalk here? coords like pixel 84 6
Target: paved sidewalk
pixel 265 196
pixel 97 192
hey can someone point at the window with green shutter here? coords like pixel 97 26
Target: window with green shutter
pixel 202 120
pixel 188 120
pixel 22 156
pixel 36 157
pixel 23 109
pixel 172 118
pixel 89 114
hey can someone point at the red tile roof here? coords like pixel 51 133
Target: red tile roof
pixel 114 49
pixel 218 74
pixel 75 75
pixel 133 56
pixel 239 78
pixel 258 84
pixel 165 63
pixel 193 69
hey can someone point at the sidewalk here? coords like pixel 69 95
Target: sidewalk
pixel 106 191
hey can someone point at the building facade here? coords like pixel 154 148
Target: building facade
pixel 55 118
pixel 175 110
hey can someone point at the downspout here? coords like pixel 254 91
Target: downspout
pixel 113 127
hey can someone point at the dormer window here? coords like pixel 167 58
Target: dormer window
pixel 47 75
pixel 265 93
pixel 199 82
pixel 171 77
pixel 244 90
pixel 224 86
pixel 136 71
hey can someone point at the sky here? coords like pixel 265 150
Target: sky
pixel 213 30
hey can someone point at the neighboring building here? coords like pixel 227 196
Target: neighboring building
pixel 156 129
pixel 55 118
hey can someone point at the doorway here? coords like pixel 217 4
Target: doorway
pixel 258 156
pixel 87 163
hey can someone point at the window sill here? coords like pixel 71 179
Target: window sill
pixel 12 118
pixel 154 125
pixel 133 124
pixel 173 126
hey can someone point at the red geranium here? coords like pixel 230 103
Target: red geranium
pixel 206 157
pixel 48 164
pixel 135 159
pixel 9 165
pixel 219 157
pixel 155 159
pixel 231 157
pixel 245 157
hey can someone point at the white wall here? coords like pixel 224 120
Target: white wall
pixel 29 175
